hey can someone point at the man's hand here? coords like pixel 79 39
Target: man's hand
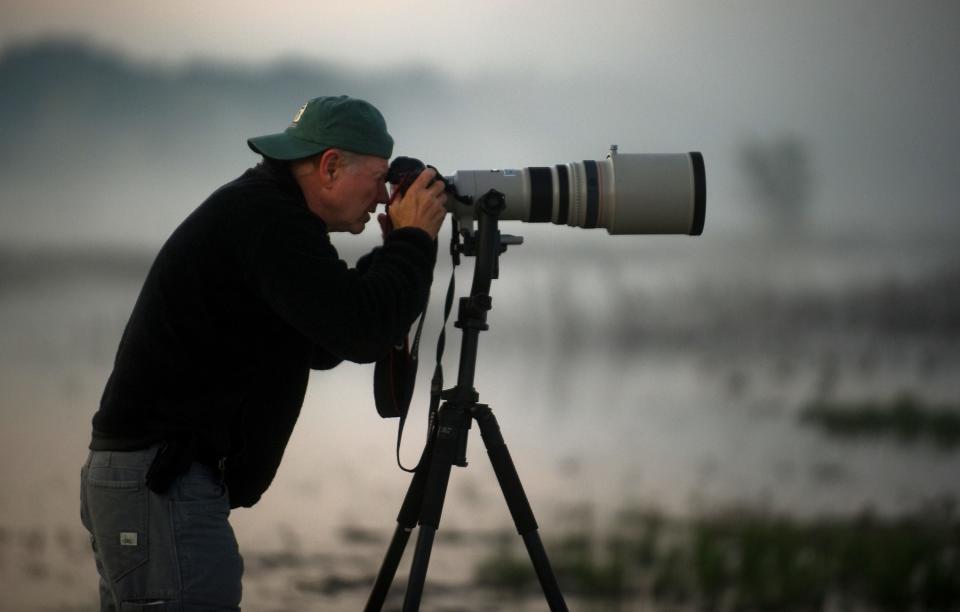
pixel 386 225
pixel 421 206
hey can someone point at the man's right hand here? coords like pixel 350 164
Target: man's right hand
pixel 421 206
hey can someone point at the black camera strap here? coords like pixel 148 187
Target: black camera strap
pixel 436 383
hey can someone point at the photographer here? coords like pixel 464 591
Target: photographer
pixel 244 298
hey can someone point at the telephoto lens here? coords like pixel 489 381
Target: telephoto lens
pixel 644 193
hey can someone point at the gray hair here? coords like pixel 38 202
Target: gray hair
pixel 306 165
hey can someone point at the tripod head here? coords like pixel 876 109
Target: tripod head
pixel 485 242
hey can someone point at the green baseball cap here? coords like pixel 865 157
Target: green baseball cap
pixel 329 121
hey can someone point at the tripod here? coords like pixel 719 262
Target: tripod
pixel 447 445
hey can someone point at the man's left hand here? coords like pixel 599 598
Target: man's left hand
pixel 386 225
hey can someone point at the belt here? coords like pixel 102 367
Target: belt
pixel 210 459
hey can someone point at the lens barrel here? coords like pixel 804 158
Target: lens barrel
pixel 625 193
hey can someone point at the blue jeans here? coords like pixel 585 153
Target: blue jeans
pixel 154 553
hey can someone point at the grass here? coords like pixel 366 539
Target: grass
pixel 906 417
pixel 748 561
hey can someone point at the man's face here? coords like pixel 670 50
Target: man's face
pixel 346 196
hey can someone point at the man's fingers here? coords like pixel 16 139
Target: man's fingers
pixel 386 224
pixel 425 177
pixel 422 206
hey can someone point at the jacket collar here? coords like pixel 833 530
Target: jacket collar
pixel 279 173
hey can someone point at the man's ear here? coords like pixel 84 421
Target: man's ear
pixel 329 164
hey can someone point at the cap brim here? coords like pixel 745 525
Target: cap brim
pixel 283 146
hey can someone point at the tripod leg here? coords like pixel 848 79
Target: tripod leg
pixel 388 569
pixel 406 521
pixel 519 507
pixel 453 424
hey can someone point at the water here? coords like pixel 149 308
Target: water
pixel 664 374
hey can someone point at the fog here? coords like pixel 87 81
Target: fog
pixel 102 144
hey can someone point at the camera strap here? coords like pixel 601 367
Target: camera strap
pixel 436 383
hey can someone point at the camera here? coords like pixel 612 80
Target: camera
pixel 626 193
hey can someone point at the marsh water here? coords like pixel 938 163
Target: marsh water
pixel 663 374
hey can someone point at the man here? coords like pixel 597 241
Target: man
pixel 244 298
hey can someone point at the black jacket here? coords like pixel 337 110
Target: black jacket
pixel 243 299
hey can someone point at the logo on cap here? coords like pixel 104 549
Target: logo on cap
pixel 299 114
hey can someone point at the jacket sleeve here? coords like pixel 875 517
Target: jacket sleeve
pixel 322 360
pixel 363 264
pixel 346 314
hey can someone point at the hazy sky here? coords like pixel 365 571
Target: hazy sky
pixel 872 86
pixel 456 35
pixel 459 36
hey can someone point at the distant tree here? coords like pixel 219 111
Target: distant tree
pixel 779 172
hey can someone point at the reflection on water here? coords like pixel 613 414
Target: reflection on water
pixel 668 378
